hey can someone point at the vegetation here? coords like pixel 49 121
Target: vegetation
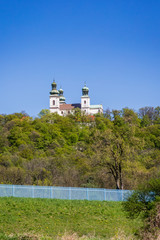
pixel 114 150
pixel 22 218
pixel 145 203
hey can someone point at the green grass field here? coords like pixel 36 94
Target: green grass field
pixel 24 218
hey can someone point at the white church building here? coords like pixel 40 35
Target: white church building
pixel 58 103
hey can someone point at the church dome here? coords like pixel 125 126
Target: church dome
pixel 60 91
pixel 54 84
pixel 61 97
pixel 85 90
pixel 54 90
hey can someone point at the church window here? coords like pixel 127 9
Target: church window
pixel 84 101
pixel 53 102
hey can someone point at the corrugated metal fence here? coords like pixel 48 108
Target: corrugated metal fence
pixel 71 193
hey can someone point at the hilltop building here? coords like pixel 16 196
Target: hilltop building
pixel 58 102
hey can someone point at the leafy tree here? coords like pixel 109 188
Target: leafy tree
pixel 107 114
pixel 145 202
pixel 43 112
pixel 141 201
pixel 147 115
pixel 130 117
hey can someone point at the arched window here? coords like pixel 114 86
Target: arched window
pixel 84 101
pixel 53 102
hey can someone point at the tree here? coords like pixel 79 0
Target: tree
pixel 43 112
pixel 147 115
pixel 145 203
pixel 107 114
pixel 140 202
pixel 157 115
pixel 114 159
pixel 112 152
pixel 130 117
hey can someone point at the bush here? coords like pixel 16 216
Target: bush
pixel 142 200
pixel 145 203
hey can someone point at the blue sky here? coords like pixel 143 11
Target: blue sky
pixel 113 45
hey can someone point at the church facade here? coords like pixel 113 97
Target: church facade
pixel 58 103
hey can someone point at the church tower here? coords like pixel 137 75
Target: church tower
pixel 62 99
pixel 85 100
pixel 54 98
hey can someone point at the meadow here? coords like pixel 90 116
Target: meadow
pixel 25 218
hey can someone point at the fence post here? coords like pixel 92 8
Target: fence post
pixel 32 191
pixel 122 196
pixel 104 194
pixel 87 194
pixel 51 192
pixel 70 193
pixel 13 190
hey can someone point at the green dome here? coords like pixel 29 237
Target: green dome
pixel 54 85
pixel 62 99
pixel 85 90
pixel 60 91
pixel 54 90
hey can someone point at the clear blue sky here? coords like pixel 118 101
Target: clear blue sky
pixel 113 45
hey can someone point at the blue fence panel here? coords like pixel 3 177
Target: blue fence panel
pixel 6 190
pixel 96 194
pixel 114 195
pixel 41 192
pixel 79 193
pixel 63 193
pixel 22 191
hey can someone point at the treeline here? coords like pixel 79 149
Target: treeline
pixel 116 150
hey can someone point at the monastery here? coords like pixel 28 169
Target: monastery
pixel 58 103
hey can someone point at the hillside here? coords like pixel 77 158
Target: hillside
pixel 52 219
pixel 116 150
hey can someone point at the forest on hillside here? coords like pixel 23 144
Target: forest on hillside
pixel 119 149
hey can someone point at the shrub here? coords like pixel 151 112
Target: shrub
pixel 141 202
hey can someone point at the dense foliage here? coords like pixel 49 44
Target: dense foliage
pixel 115 150
pixel 145 202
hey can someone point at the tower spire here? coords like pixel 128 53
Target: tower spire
pixel 54 90
pixel 61 97
pixel 85 90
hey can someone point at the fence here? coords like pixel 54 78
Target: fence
pixel 71 193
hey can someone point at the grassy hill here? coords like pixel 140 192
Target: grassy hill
pixel 22 218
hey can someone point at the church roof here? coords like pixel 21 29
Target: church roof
pixel 96 106
pixel 66 107
pixel 69 106
pixel 76 105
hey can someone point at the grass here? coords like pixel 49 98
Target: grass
pixel 26 218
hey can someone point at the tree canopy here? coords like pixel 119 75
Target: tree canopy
pixel 115 150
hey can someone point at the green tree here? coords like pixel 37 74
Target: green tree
pixel 43 112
